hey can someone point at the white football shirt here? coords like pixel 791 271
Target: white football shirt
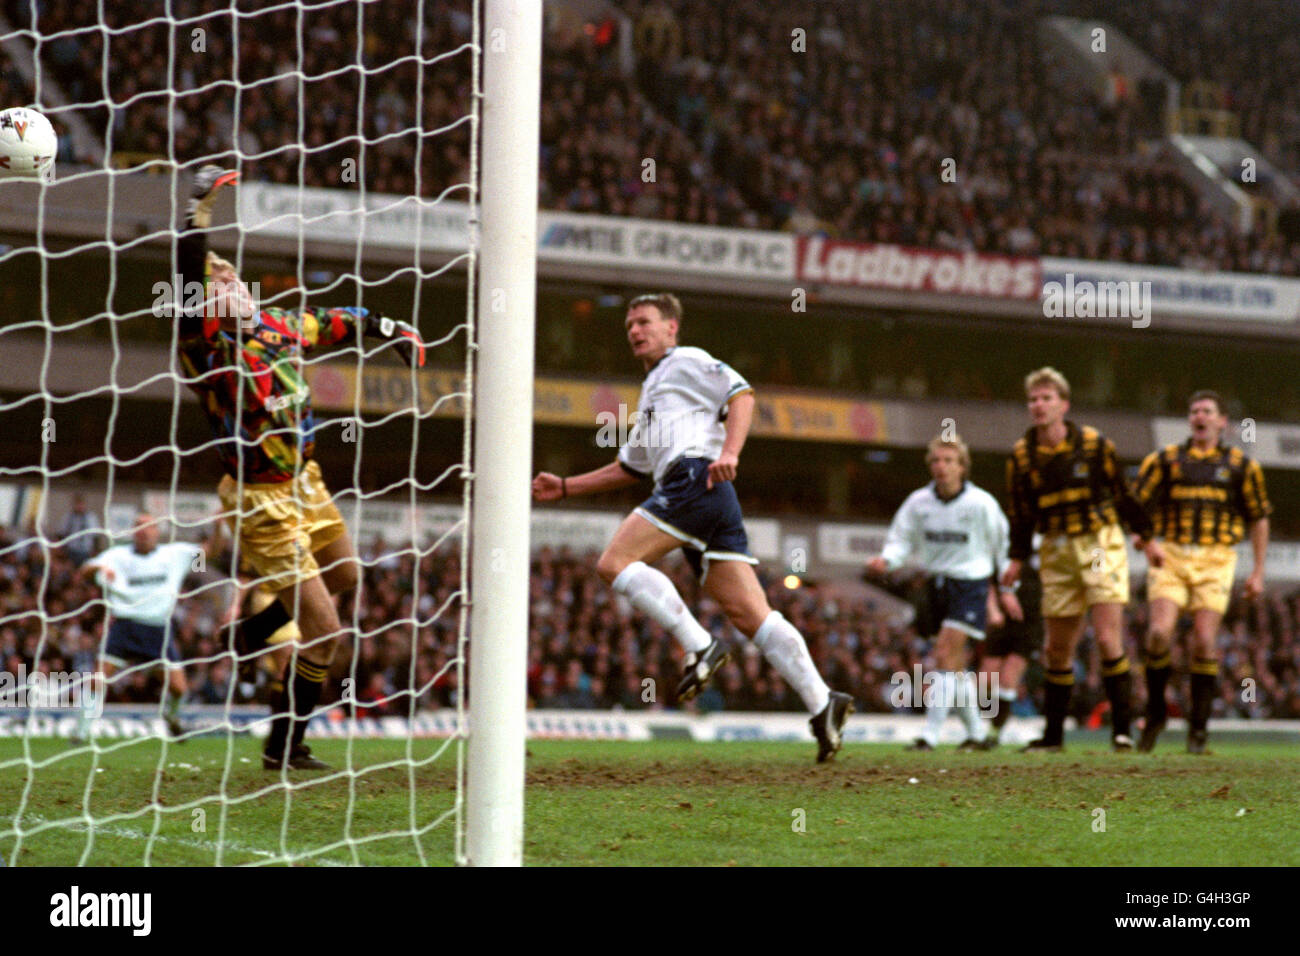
pixel 681 411
pixel 145 586
pixel 965 537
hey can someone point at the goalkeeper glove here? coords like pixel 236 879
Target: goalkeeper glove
pixel 403 334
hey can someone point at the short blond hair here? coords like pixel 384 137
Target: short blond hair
pixel 217 264
pixel 669 306
pixel 1050 378
pixel 955 442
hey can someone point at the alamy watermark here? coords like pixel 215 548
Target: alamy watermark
pixel 75 909
pixel 929 689
pixel 642 429
pixel 1085 299
pixel 58 690
pixel 179 297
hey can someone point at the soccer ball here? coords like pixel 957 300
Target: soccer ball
pixel 28 145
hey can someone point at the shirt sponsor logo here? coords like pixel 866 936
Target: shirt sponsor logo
pixel 139 582
pixel 947 537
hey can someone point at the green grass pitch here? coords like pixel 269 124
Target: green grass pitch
pixel 671 803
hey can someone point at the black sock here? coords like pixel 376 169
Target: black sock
pixel 259 627
pixel 275 690
pixel 1118 681
pixel 275 740
pixel 1056 701
pixel 1203 685
pixel 308 681
pixel 1158 670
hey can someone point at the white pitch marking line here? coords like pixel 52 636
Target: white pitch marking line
pixel 129 833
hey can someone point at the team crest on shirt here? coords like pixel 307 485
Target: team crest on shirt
pixel 1222 474
pixel 1080 469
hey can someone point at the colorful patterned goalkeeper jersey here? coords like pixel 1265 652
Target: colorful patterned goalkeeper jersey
pixel 271 422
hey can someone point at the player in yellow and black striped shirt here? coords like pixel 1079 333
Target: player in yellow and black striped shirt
pixel 1065 483
pixel 1201 495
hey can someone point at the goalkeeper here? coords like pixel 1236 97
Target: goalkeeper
pixel 245 364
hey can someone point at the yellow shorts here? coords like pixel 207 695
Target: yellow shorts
pixel 281 526
pixel 1081 570
pixel 1194 576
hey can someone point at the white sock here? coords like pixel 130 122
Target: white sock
pixel 785 650
pixel 653 594
pixel 938 698
pixel 85 718
pixel 969 706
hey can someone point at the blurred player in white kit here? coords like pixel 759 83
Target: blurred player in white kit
pixel 141 583
pixel 957 532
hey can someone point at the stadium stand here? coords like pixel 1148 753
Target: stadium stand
pixel 741 135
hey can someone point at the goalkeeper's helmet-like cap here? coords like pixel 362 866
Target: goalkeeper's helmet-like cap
pixel 228 297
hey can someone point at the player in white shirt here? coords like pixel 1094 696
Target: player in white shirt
pixel 957 532
pixel 692 421
pixel 141 584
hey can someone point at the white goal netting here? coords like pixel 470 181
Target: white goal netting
pixel 353 126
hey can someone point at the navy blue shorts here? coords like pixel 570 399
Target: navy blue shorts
pixel 953 602
pixel 707 521
pixel 131 640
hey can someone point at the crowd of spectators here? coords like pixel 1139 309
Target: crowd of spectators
pixel 851 138
pixel 850 133
pixel 587 648
pixel 1224 43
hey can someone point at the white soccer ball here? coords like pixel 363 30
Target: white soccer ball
pixel 28 145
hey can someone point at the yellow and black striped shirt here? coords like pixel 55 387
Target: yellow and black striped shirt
pixel 1202 497
pixel 1073 488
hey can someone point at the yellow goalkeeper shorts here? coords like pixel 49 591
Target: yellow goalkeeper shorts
pixel 1194 576
pixel 281 526
pixel 1080 570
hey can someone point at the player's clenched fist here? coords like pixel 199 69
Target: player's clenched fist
pixel 724 469
pixel 548 487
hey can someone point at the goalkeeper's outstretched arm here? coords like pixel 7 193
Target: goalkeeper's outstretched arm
pixel 322 328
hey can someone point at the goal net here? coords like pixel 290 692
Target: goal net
pixel 353 126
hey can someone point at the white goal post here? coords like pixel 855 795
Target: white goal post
pixel 511 50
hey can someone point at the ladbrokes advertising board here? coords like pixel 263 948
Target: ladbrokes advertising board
pixel 873 265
